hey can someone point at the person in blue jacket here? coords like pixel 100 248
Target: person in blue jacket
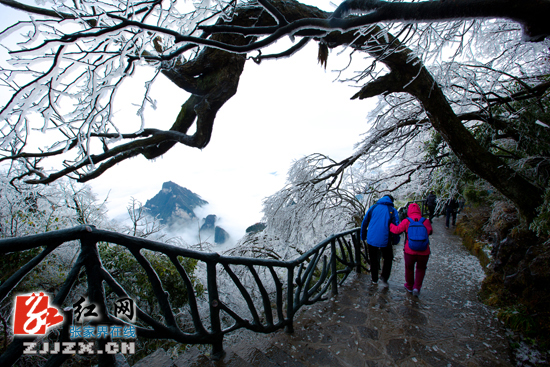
pixel 379 240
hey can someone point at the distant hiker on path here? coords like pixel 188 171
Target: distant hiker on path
pixel 431 203
pixel 379 240
pixel 461 203
pixel 417 247
pixel 451 207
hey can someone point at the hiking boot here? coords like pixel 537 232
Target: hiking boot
pixel 407 289
pixel 416 292
pixel 383 283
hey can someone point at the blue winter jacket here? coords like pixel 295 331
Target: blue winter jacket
pixel 377 220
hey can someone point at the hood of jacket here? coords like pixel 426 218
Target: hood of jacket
pixel 385 201
pixel 413 211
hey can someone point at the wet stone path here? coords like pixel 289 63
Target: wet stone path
pixel 366 325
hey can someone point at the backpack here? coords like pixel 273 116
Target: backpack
pixel 418 235
pixel 431 200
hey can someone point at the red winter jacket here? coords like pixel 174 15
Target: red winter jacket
pixel 415 213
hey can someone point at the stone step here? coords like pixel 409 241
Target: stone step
pixel 157 359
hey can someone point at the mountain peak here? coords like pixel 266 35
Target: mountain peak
pixel 174 203
pixel 169 185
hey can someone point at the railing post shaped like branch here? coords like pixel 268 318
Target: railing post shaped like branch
pixel 334 278
pixel 214 303
pixel 289 328
pixel 96 294
pixel 357 248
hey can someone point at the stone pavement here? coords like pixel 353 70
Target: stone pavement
pixel 365 325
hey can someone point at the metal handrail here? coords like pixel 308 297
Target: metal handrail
pixel 307 280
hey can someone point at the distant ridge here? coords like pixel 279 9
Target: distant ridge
pixel 255 228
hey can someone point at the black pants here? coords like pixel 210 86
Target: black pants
pixel 450 214
pixel 374 255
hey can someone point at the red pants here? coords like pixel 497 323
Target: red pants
pixel 413 280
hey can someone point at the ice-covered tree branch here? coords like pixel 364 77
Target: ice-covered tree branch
pixel 534 25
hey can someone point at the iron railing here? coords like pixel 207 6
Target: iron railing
pixel 278 290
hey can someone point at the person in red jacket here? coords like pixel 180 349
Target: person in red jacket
pixel 413 282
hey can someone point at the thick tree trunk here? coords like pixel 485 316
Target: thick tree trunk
pixel 524 194
pixel 213 77
pixel 409 75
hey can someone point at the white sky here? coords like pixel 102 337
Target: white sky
pixel 283 110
